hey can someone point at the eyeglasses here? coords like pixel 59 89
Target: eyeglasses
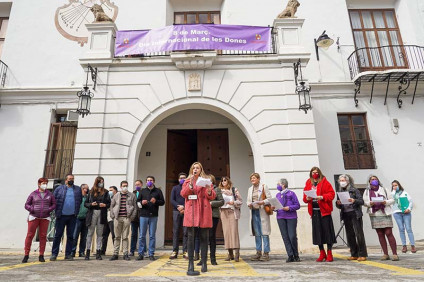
pixel 224 180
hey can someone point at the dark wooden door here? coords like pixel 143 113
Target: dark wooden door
pixel 212 153
pixel 181 153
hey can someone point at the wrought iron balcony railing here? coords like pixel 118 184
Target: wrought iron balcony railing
pixel 3 73
pixel 58 163
pixel 383 58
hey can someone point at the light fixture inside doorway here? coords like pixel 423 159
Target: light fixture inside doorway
pixel 323 41
pixel 85 95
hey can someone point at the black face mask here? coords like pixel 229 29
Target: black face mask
pixel 70 182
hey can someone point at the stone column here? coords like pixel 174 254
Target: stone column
pixel 101 40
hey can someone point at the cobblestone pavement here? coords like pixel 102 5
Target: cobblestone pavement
pixel 409 268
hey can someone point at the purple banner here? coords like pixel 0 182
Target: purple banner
pixel 193 37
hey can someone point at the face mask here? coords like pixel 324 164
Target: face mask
pixel 43 186
pixel 343 184
pixel 137 188
pixel 149 183
pixel 397 189
pixel 111 194
pixel 100 185
pixel 182 181
pixel 374 183
pixel 70 182
pixel 315 175
pixel 279 187
pixel 124 188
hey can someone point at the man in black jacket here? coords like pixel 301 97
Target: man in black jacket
pixel 149 200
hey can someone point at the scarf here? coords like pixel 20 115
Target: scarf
pixel 376 206
pixel 284 196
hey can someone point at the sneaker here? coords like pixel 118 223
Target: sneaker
pixel 395 258
pixel 126 257
pixel 174 255
pixel 41 259
pixel 290 259
pixel 404 249
pixel 131 254
pixel 53 258
pixel 185 255
pixel 69 257
pixel 152 258
pixel 25 259
pixel 140 257
pixel 296 259
pixel 114 257
pixel 385 257
pixel 73 254
pixel 81 254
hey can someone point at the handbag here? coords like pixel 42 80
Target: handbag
pixel 267 208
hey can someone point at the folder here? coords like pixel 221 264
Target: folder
pixel 404 203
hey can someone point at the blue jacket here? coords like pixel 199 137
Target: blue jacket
pixel 60 195
pixel 176 198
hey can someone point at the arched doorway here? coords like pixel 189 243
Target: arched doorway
pixel 186 136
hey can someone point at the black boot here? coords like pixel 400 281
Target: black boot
pixel 204 255
pixel 190 251
pixel 213 259
pixel 191 271
pixel 41 258
pixel 99 255
pixel 25 260
pixel 87 255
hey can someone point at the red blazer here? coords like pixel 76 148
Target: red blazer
pixel 202 208
pixel 325 190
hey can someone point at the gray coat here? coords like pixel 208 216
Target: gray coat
pixel 357 205
pixel 217 203
pixel 116 205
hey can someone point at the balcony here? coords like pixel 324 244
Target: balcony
pixel 403 64
pixel 58 163
pixel 3 73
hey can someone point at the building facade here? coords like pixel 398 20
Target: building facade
pixel 236 112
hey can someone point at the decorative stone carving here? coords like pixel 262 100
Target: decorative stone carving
pixel 193 60
pixel 194 82
pixel 99 14
pixel 71 18
pixel 290 10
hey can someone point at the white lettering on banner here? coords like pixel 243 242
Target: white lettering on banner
pixel 231 40
pixel 205 32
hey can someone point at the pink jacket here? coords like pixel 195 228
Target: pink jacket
pixel 201 207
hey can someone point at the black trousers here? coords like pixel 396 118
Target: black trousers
pixel 178 220
pixel 355 235
pixel 288 232
pixel 204 237
pixel 212 237
pixel 107 229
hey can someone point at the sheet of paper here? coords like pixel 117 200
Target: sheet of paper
pixel 203 182
pixel 377 199
pixel 344 198
pixel 311 193
pixel 275 203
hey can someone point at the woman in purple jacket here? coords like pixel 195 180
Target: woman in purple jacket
pixel 40 204
pixel 287 219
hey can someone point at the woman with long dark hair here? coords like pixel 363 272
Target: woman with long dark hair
pixel 402 208
pixel 197 214
pixel 98 203
pixel 320 209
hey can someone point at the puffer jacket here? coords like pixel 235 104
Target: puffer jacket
pixel 40 207
pixel 60 196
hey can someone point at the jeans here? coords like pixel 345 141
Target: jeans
pixel 257 228
pixel 288 232
pixel 151 224
pixel 178 219
pixel 107 229
pixel 67 221
pixel 355 235
pixel 403 221
pixel 80 228
pixel 135 226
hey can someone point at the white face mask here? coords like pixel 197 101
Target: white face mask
pixel 343 184
pixel 124 189
pixel 43 186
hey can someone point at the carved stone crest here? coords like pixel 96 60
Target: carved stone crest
pixel 290 10
pixel 194 82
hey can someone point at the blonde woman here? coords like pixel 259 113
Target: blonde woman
pixel 257 199
pixel 197 214
pixel 230 214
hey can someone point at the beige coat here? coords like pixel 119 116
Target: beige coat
pixel 265 219
pixel 116 204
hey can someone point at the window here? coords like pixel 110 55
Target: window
pixel 3 28
pixel 197 17
pixel 378 33
pixel 357 147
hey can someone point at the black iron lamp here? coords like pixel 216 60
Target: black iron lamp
pixel 302 90
pixel 85 95
pixel 323 41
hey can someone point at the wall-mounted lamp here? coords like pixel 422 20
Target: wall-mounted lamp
pixel 323 41
pixel 302 90
pixel 85 95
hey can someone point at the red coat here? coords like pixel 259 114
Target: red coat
pixel 201 207
pixel 325 190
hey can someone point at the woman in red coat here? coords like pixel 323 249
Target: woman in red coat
pixel 197 214
pixel 320 210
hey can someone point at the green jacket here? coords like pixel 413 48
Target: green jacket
pixel 217 203
pixel 83 210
